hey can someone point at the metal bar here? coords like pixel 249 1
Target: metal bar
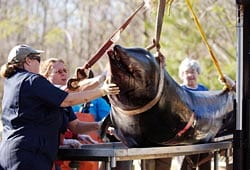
pixel 112 152
pixel 216 160
pixel 113 162
pixel 238 135
pixel 227 154
pixel 107 165
pixel 239 53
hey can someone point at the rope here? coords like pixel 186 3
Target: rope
pixel 159 21
pixel 206 42
pixel 160 15
pixel 72 83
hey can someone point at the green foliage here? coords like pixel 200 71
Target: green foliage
pixel 7 28
pixel 87 24
pixel 180 38
pixel 54 36
pixel 79 28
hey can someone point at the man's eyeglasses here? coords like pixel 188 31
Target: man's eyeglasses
pixel 60 71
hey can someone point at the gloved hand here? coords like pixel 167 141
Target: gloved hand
pixel 109 89
pixel 72 142
pixel 86 139
pixel 82 73
pixel 228 82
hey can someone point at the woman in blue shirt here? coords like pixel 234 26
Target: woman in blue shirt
pixel 189 71
pixel 31 112
pixel 55 71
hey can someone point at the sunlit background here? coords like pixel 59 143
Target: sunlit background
pixel 75 29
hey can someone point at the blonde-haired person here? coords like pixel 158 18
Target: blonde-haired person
pixel 55 71
pixel 32 111
pixel 85 84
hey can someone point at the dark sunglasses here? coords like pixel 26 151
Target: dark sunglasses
pixel 35 57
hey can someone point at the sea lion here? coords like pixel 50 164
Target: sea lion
pixel 152 109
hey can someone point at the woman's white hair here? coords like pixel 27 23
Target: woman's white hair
pixel 188 63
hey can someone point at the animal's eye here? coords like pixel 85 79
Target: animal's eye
pixel 136 74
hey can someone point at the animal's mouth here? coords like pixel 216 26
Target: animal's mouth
pixel 125 72
pixel 123 69
pixel 120 72
pixel 117 62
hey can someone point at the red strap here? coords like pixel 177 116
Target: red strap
pixel 188 125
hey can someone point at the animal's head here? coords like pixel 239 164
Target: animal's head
pixel 136 72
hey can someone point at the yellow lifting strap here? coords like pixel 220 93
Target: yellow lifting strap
pixel 169 3
pixel 205 41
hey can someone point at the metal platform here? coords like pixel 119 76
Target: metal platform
pixel 112 152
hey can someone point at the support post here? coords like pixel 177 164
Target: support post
pixel 241 155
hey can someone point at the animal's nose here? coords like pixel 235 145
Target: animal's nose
pixel 117 47
pixel 111 54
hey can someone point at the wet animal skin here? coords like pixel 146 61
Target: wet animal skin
pixel 145 117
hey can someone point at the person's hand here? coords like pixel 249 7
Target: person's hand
pixel 228 82
pixel 82 73
pixel 86 139
pixel 72 143
pixel 109 89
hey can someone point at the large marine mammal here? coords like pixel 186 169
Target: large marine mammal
pixel 152 109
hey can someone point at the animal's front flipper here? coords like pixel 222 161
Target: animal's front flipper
pixel 106 123
pixel 108 130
